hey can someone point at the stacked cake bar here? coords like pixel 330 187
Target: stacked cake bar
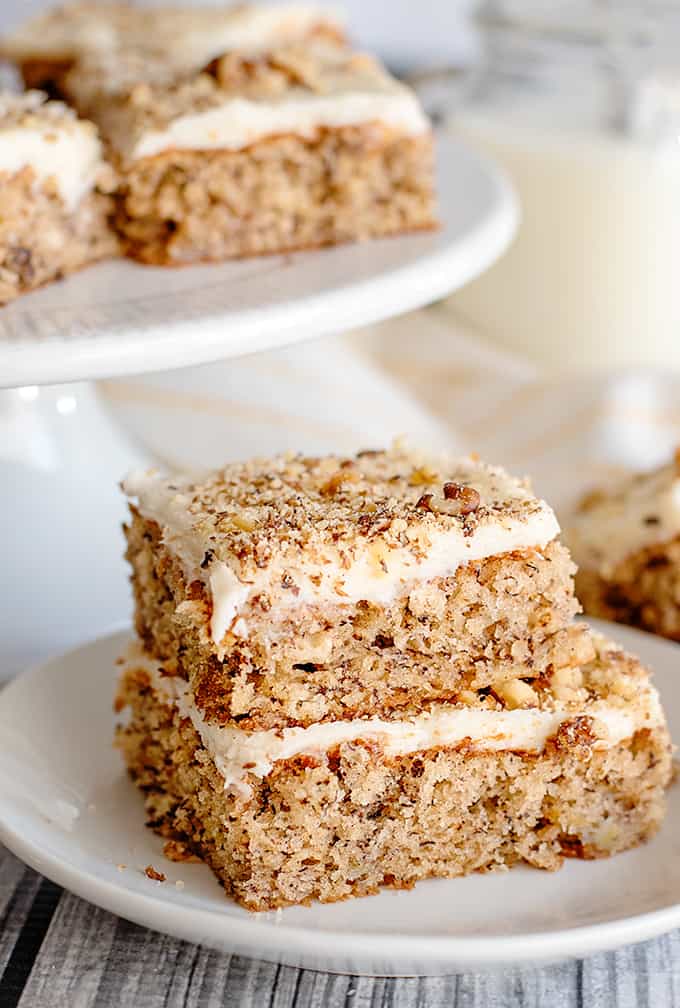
pixel 56 202
pixel 626 540
pixel 355 672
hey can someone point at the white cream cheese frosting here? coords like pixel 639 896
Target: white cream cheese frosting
pixel 334 89
pixel 240 122
pixel 641 511
pixel 246 28
pixel 47 137
pixel 192 35
pixel 377 573
pixel 237 753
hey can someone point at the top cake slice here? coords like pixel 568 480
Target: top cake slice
pixel 306 588
pixel 185 38
pixel 301 147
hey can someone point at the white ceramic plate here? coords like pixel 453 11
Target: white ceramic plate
pixel 120 318
pixel 68 810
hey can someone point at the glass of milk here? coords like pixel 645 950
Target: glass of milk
pixel 580 104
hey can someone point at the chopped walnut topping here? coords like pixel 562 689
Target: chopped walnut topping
pixel 424 503
pixel 152 873
pixel 457 500
pixel 423 476
pixel 330 510
pixel 466 497
pixel 335 483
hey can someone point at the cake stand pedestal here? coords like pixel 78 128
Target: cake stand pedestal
pixel 62 455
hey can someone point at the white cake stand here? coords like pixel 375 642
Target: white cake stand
pixel 60 453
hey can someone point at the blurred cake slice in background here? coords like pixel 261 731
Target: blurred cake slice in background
pixel 303 147
pixel 56 202
pixel 625 539
pixel 169 39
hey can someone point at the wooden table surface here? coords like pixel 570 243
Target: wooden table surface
pixel 57 951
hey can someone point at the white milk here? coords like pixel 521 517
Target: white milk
pixel 592 280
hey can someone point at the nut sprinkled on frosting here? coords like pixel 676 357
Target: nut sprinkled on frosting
pixel 466 497
pixel 337 530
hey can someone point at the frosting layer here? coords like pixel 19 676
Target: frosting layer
pixel 295 90
pixel 47 137
pixel 368 543
pixel 240 122
pixel 237 753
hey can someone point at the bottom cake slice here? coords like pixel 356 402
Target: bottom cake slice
pixel 574 767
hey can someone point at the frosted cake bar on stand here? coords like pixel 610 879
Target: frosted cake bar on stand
pixel 56 202
pixel 298 148
pixel 236 132
pixel 283 719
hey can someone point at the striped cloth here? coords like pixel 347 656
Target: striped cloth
pixel 424 376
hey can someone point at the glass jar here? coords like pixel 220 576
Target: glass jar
pixel 580 104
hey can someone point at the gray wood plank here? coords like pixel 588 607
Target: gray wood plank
pixel 11 870
pixel 72 957
pixel 18 889
pixel 90 959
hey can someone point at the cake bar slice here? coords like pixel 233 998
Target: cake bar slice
pixel 161 40
pixel 293 590
pixel 298 148
pixel 625 539
pixel 341 808
pixel 56 202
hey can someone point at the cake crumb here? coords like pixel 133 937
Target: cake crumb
pixel 152 873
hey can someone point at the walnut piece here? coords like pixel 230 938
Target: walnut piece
pixel 456 500
pixel 516 693
pixel 466 497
